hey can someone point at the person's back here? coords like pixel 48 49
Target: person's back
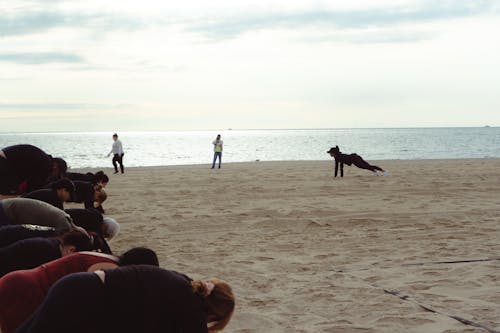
pixel 165 294
pixel 36 212
pixel 46 195
pixel 28 253
pixel 10 234
pixel 27 168
pixel 33 284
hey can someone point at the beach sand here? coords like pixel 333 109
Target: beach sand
pixel 306 252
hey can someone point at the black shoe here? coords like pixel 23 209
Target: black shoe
pixel 115 172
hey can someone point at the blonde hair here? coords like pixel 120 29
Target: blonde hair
pixel 220 303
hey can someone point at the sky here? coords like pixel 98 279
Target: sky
pixel 95 65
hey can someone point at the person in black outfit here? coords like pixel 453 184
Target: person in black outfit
pixel 59 192
pixel 144 298
pixel 32 252
pixel 92 220
pixel 98 178
pixel 10 234
pixel 89 194
pixel 341 159
pixel 23 168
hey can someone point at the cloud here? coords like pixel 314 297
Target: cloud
pixel 43 106
pixel 41 58
pixel 39 21
pixel 229 27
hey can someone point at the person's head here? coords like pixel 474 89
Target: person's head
pixel 99 194
pixel 64 188
pixel 139 256
pixel 218 136
pixel 109 228
pixel 59 167
pixel 115 137
pixel 220 302
pixel 333 151
pixel 75 241
pixel 101 178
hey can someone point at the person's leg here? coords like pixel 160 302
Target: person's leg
pixel 120 160
pixel 220 159
pixel 72 305
pixel 215 158
pixel 115 159
pixel 362 164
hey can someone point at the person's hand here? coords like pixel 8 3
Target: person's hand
pixel 108 155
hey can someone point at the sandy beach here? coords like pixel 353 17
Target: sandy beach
pixel 306 252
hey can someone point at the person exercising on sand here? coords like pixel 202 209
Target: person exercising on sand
pixel 352 159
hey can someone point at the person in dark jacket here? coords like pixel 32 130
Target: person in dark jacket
pixel 349 159
pixel 10 234
pixel 59 192
pixel 92 220
pixel 99 178
pixel 23 168
pixel 32 252
pixel 92 195
pixel 144 298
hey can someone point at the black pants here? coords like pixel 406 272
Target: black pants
pixel 118 158
pixel 74 304
pixel 362 164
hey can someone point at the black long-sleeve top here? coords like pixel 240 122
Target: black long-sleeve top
pixel 29 163
pixel 28 253
pixel 47 195
pixel 84 192
pixel 10 234
pixel 151 299
pixel 341 159
pixel 88 219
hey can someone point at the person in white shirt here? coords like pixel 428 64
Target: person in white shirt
pixel 117 151
pixel 218 145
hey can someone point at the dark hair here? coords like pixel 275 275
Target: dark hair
pixel 101 177
pixel 139 256
pixel 78 239
pixel 63 183
pixel 63 166
pixel 115 135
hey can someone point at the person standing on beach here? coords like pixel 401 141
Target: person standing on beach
pixel 117 151
pixel 218 145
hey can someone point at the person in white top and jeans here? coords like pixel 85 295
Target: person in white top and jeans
pixel 117 151
pixel 218 145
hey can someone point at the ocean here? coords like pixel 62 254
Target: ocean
pixel 89 149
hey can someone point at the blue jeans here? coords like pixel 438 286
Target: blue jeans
pixel 219 154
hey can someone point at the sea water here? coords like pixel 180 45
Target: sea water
pixel 89 149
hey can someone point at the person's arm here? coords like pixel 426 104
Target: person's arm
pixel 101 266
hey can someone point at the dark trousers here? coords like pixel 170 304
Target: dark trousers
pixel 362 164
pixel 217 154
pixel 118 158
pixel 74 304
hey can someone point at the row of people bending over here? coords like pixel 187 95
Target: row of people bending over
pixel 96 292
pixel 52 281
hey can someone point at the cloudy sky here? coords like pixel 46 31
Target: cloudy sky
pixel 94 65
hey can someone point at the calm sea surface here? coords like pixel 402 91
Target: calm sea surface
pixel 89 149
